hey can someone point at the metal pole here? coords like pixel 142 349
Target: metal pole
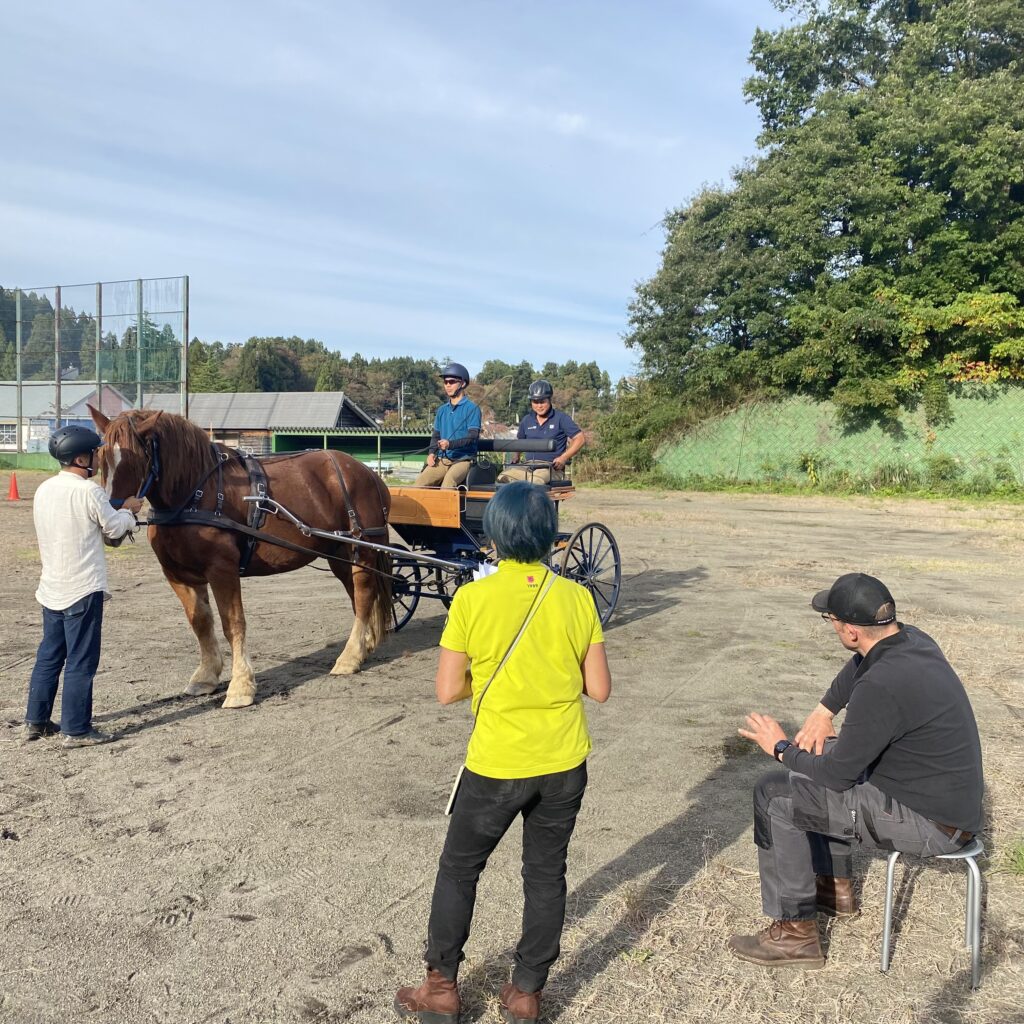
pixel 17 365
pixel 138 347
pixel 184 353
pixel 378 454
pixel 56 358
pixel 99 346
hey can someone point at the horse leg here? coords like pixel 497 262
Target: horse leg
pixel 227 592
pixel 368 586
pixel 196 602
pixel 355 649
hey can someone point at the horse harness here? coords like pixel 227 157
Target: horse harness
pixel 190 514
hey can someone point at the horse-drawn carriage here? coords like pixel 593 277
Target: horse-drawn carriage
pixel 219 516
pixel 445 545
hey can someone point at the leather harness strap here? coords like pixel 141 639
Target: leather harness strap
pixel 355 527
pixel 259 487
pixel 189 513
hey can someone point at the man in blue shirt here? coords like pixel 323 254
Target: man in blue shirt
pixel 456 432
pixel 545 423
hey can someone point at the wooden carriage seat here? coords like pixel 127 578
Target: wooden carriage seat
pixel 425 506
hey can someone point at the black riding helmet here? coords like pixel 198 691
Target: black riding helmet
pixel 540 389
pixel 70 441
pixel 456 370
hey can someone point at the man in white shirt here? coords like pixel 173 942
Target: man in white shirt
pixel 72 515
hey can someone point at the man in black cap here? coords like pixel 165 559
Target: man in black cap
pixel 904 773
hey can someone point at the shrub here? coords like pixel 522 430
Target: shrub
pixel 941 470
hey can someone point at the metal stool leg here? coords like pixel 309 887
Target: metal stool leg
pixel 974 910
pixel 890 875
pixel 969 914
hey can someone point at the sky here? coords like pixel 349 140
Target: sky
pixel 439 179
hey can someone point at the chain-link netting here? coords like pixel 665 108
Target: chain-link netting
pixel 65 347
pixel 976 439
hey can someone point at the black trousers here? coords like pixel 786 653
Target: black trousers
pixel 484 809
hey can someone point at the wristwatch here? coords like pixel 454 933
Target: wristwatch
pixel 780 748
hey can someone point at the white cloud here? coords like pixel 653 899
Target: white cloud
pixel 458 173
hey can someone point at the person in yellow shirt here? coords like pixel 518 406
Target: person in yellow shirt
pixel 524 646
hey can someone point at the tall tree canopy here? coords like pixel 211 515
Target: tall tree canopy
pixel 876 244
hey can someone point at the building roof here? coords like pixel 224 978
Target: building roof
pixel 265 410
pixel 37 400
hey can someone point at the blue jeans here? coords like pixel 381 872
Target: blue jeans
pixel 71 641
pixel 484 809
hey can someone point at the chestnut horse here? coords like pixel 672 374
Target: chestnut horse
pixel 183 473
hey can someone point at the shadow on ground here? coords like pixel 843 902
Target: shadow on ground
pixel 675 852
pixel 653 591
pixel 278 681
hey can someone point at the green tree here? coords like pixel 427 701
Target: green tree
pixel 269 364
pixel 890 182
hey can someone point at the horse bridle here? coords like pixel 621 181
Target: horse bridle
pixel 152 449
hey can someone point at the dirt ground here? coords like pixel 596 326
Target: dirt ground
pixel 275 864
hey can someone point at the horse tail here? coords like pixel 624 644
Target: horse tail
pixel 380 609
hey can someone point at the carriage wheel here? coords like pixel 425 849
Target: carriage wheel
pixel 591 558
pixel 406 582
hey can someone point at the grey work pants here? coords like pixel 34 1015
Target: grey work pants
pixel 803 829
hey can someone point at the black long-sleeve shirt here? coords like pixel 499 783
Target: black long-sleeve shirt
pixel 910 725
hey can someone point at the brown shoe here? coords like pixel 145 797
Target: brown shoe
pixel 836 897
pixel 436 1001
pixel 781 944
pixel 519 1007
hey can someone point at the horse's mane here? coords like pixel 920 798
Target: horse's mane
pixel 186 454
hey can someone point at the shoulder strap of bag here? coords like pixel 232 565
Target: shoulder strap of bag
pixel 534 605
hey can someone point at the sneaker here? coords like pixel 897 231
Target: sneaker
pixel 87 739
pixel 40 730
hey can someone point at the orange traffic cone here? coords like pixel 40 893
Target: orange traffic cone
pixel 12 494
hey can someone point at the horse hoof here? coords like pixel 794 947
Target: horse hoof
pixel 344 670
pixel 201 689
pixel 239 700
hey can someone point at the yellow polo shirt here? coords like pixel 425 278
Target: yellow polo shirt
pixel 531 721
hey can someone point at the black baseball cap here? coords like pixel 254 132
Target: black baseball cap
pixel 858 599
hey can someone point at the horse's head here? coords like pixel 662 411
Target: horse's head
pixel 129 456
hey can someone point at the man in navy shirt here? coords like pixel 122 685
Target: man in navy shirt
pixel 456 432
pixel 545 423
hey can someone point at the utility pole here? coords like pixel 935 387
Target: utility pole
pixel 401 406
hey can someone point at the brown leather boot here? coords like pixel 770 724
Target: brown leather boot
pixel 436 1001
pixel 519 1007
pixel 835 896
pixel 781 944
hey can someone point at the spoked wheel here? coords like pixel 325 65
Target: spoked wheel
pixel 406 582
pixel 591 558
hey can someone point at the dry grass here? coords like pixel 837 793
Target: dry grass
pixel 663 954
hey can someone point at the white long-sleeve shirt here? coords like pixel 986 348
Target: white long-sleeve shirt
pixel 71 516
